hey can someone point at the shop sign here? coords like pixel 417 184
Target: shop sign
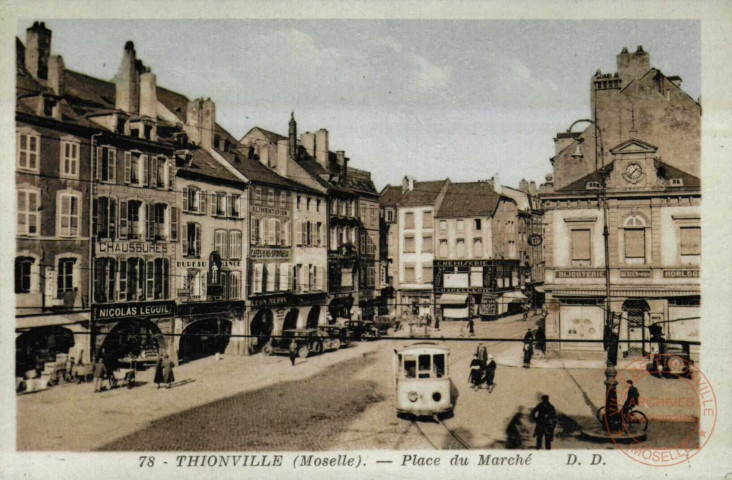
pixel 269 253
pixel 464 290
pixel 681 273
pixel 463 263
pixel 488 308
pixel 131 246
pixel 281 212
pixel 275 300
pixel 126 310
pixel 635 274
pixel 204 264
pixel 580 273
pixel 534 240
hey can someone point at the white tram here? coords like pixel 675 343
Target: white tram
pixel 423 386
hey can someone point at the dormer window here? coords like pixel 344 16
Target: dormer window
pixel 148 132
pixel 217 142
pixel 48 105
pixel 121 125
pixel 676 182
pixel 593 185
pixel 227 145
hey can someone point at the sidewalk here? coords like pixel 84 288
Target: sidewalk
pixel 513 356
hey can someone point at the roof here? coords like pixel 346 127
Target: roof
pixel 271 136
pixel 663 170
pixel 390 196
pixel 423 194
pixel 202 163
pixel 470 199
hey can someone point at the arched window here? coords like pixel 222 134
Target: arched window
pixel 634 238
pixel 23 266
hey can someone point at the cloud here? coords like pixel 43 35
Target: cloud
pixel 430 76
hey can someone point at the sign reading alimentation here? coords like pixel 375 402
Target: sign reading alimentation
pixel 127 310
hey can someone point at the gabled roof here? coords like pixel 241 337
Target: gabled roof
pixel 668 172
pixel 202 163
pixel 390 196
pixel 271 136
pixel 633 145
pixel 472 199
pixel 423 194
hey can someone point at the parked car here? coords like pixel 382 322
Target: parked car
pixel 308 340
pixel 338 335
pixel 387 325
pixel 362 329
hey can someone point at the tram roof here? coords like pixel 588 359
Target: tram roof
pixel 424 347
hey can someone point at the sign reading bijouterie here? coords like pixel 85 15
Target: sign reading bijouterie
pixel 681 273
pixel 269 252
pixel 580 273
pixel 126 310
pixel 271 211
pixel 635 274
pixel 131 246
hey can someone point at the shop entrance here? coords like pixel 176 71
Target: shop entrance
pixel 635 312
pixel 132 338
pixel 290 322
pixel 313 317
pixel 261 328
pixel 204 338
pixel 39 345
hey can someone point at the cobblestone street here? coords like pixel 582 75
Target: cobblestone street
pixel 338 401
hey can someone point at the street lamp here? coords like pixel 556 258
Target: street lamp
pixel 610 339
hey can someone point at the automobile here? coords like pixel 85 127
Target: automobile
pixel 387 325
pixel 339 335
pixel 308 340
pixel 362 329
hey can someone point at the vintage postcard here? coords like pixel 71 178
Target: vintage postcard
pixel 416 241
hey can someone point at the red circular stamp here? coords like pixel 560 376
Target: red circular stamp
pixel 665 413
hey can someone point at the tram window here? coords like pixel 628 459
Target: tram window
pixel 410 367
pixel 439 363
pixel 424 366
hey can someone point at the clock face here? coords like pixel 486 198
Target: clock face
pixel 633 172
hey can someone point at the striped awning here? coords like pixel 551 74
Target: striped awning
pixel 641 293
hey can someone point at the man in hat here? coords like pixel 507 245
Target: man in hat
pixel 545 417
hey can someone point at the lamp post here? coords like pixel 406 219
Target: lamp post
pixel 610 338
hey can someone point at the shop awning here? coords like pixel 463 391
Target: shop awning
pixel 514 297
pixel 452 299
pixel 61 319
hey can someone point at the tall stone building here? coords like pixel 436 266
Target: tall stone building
pixel 644 157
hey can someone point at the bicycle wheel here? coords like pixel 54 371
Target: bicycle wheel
pixel 636 417
pixel 601 415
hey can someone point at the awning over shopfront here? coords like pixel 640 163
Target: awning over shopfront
pixel 62 319
pixel 452 299
pixel 514 297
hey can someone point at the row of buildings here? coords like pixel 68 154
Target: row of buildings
pixel 144 226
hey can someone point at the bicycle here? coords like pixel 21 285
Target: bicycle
pixel 629 419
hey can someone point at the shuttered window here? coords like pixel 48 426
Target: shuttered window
pixel 690 238
pixel 635 243
pixel 409 244
pixel 581 247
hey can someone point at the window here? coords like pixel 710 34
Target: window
pixel 634 238
pixel 390 215
pixel 307 203
pixel 65 276
pixel 193 283
pixel 157 280
pixel 409 273
pixel 134 168
pixel 105 277
pixel 23 266
pixel 271 276
pixel 317 205
pixel 29 149
pixel 234 244
pixel 257 195
pixel 133 227
pixel 174 222
pixel 134 274
pixel 477 247
pixel 106 164
pixel 460 248
pixel 257 277
pixel 409 244
pixel 427 243
pixel 443 225
pixel 476 277
pixel 581 247
pixel 234 206
pixel 156 221
pixel 409 220
pixel 68 215
pixel 443 248
pixel 256 234
pixel 319 237
pixel 299 200
pixel 690 240
pixel 478 224
pixel 69 159
pixel 283 199
pixel 427 220
pixel 234 285
pixel 460 226
pixel 28 207
pixel 104 221
pixel 427 273
pixel 191 240
pixel 221 244
pixel 220 204
pixel 270 197
pixel 194 200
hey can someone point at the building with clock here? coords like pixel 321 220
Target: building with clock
pixel 643 158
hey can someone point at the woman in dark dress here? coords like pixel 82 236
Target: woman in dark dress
pixel 490 373
pixel 159 371
pixel 168 376
pixel 528 353
pixel 476 372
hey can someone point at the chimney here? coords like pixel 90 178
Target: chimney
pixel 56 70
pixel 283 151
pixel 148 95
pixel 127 82
pixel 292 139
pixel 524 185
pixel 200 122
pixel 407 184
pixel 342 164
pixel 308 141
pixel 496 183
pixel 322 147
pixel 37 50
pixel 562 140
pixel 633 65
pixel 532 188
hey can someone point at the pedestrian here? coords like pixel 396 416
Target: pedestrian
pixel 100 371
pixel 545 417
pixel 159 371
pixel 528 353
pixel 437 322
pixel 632 399
pixel 168 376
pixel 429 320
pixel 490 373
pixel 293 352
pixel 529 337
pixel 541 340
pixel 471 327
pixel 525 310
pixel 476 372
pixel 514 429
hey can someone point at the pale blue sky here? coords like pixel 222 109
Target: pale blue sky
pixel 464 99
